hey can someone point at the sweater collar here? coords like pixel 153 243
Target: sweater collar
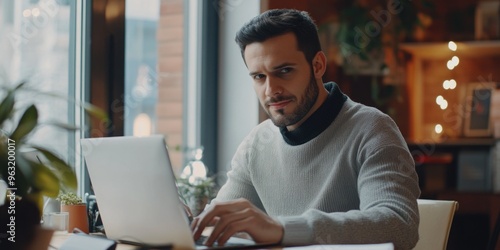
pixel 319 120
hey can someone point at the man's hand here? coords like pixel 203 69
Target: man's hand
pixel 236 216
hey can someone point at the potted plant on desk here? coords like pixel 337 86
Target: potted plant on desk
pixel 76 209
pixel 196 189
pixel 196 192
pixel 28 180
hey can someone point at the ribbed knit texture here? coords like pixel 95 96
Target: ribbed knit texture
pixel 353 183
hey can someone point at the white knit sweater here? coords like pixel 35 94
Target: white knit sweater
pixel 355 182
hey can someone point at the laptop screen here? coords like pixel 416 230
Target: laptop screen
pixel 135 190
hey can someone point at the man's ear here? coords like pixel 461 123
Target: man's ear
pixel 319 64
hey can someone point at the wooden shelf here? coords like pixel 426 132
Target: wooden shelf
pixel 419 83
pixel 441 51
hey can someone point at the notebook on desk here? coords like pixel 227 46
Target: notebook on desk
pixel 135 190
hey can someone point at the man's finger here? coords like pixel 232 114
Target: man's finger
pixel 233 228
pixel 194 223
pixel 187 210
pixel 223 223
pixel 209 215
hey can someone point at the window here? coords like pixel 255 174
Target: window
pixel 184 72
pixel 171 75
pixel 141 59
pixel 46 43
pixel 36 49
pixel 39 47
pixel 154 72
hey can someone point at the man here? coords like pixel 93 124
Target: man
pixel 323 169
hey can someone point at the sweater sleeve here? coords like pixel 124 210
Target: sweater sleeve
pixel 239 183
pixel 388 211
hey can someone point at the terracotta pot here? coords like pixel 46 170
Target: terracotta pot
pixel 77 217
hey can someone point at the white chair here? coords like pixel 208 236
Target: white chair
pixel 436 217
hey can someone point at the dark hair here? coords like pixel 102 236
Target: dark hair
pixel 277 22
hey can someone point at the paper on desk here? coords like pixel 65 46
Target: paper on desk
pixel 382 246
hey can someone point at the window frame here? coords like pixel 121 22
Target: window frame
pixel 201 80
pixel 79 73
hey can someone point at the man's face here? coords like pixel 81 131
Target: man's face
pixel 283 79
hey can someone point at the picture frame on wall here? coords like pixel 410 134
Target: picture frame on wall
pixel 495 112
pixel 487 20
pixel 477 113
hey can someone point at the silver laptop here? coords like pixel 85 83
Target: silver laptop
pixel 136 193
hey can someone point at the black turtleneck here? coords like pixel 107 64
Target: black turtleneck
pixel 319 120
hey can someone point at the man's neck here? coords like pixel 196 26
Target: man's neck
pixel 319 120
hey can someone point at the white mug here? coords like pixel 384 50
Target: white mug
pixel 58 221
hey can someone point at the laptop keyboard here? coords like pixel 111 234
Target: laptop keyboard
pixel 201 240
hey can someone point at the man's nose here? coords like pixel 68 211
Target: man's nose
pixel 273 87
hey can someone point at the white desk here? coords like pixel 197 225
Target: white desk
pixel 58 240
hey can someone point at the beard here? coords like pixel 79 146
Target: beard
pixel 306 103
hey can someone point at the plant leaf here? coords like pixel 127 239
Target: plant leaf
pixel 89 108
pixel 26 124
pixel 63 171
pixel 45 182
pixel 68 180
pixel 20 85
pixel 6 106
pixel 50 156
pixel 69 198
pixel 19 180
pixel 95 111
pixel 61 125
pixel 24 174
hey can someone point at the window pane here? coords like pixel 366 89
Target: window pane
pixel 35 48
pixel 153 78
pixel 140 66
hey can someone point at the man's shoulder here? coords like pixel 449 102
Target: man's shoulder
pixel 263 131
pixel 367 120
pixel 362 111
pixel 266 123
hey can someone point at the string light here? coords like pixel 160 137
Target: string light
pixel 447 84
pixel 443 103
pixel 452 46
pixel 452 84
pixel 439 99
pixel 438 128
pixel 450 65
pixel 453 62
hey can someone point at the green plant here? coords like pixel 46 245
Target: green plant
pixel 29 178
pixel 69 198
pixel 366 27
pixel 196 192
pixel 196 188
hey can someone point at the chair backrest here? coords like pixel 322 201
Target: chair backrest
pixel 436 217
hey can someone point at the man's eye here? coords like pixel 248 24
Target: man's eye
pixel 258 76
pixel 285 70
